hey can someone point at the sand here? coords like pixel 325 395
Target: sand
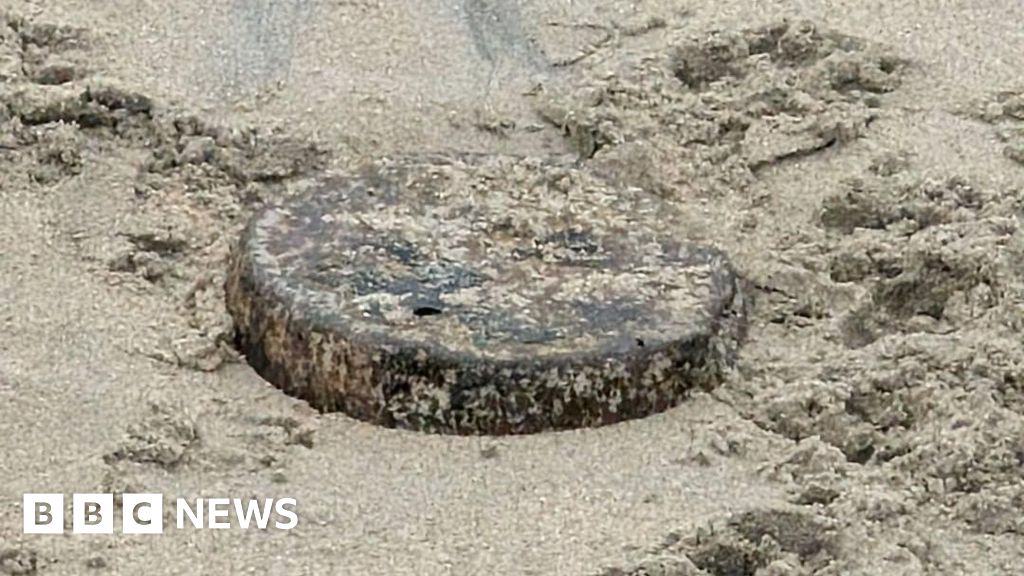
pixel 861 162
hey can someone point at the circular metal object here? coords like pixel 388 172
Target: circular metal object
pixel 481 295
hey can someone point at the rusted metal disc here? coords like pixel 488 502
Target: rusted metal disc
pixel 481 295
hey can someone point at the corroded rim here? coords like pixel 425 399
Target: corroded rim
pixel 300 270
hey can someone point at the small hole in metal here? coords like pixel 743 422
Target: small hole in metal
pixel 640 342
pixel 426 311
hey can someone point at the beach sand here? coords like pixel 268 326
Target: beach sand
pixel 862 163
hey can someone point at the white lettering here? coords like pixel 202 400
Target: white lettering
pixel 218 508
pixel 196 516
pixel 253 509
pixel 286 507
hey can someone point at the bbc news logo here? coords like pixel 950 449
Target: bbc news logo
pixel 144 513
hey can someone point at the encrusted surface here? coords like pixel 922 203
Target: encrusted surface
pixel 481 294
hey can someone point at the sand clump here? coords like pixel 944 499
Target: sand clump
pixel 704 113
pixel 1005 112
pixel 193 184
